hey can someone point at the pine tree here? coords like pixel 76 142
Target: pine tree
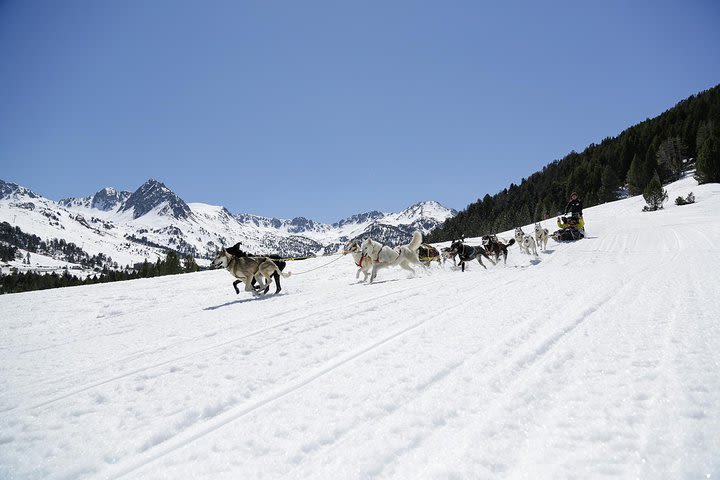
pixel 634 179
pixel 707 165
pixel 670 156
pixel 654 194
pixel 172 264
pixel 189 264
pixel 609 185
pixel 705 129
pixel 145 269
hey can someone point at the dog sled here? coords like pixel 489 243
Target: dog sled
pixel 571 229
pixel 428 253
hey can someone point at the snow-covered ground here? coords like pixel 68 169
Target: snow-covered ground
pixel 599 360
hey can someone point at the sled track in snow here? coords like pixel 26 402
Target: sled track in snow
pixel 322 314
pixel 181 440
pixel 511 373
pixel 185 438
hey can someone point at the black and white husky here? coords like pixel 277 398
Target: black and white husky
pixel 383 256
pixel 495 247
pixel 467 253
pixel 525 242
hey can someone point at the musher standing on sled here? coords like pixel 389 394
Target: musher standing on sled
pixel 575 208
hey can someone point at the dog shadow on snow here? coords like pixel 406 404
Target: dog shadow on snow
pixel 239 301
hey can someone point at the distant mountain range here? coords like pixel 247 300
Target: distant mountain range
pixel 132 226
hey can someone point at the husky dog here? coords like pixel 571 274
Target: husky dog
pixel 246 269
pixel 383 256
pixel 277 260
pixel 466 253
pixel 495 247
pixel 541 236
pixel 448 253
pixel 363 262
pixel 525 242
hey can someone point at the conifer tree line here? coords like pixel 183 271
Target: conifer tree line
pixel 601 173
pixel 28 281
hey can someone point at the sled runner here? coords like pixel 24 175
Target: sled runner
pixel 569 234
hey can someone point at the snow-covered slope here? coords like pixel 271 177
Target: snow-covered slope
pixel 130 227
pixel 597 360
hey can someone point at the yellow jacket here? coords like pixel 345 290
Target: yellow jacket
pixel 580 225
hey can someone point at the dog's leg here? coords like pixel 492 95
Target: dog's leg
pixel 235 284
pixel 276 276
pixel 488 257
pixel 480 262
pixel 262 285
pixel 404 264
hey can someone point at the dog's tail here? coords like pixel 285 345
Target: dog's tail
pixel 512 240
pixel 280 270
pixel 416 241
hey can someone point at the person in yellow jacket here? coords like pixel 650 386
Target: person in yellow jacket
pixel 572 221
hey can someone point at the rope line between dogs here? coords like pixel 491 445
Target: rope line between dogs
pixel 321 266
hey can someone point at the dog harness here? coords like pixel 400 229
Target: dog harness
pixel 472 252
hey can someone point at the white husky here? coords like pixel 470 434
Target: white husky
pixel 541 236
pixel 363 262
pixel 383 256
pixel 525 242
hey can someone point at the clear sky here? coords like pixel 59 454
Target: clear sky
pixel 324 109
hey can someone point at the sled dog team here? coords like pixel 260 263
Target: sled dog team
pixel 256 272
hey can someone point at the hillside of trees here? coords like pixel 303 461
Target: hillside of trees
pixel 604 172
pixel 27 281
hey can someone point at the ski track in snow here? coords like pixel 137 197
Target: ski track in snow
pixel 598 359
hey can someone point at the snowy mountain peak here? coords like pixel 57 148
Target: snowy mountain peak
pixel 360 218
pixel 108 199
pixel 300 224
pixel 9 189
pixel 429 209
pixel 152 195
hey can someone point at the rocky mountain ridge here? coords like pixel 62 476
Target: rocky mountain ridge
pixel 132 226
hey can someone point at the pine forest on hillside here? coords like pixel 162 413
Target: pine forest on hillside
pixel 601 173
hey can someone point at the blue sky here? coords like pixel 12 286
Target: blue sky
pixel 324 109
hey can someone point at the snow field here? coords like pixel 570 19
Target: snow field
pixel 599 359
